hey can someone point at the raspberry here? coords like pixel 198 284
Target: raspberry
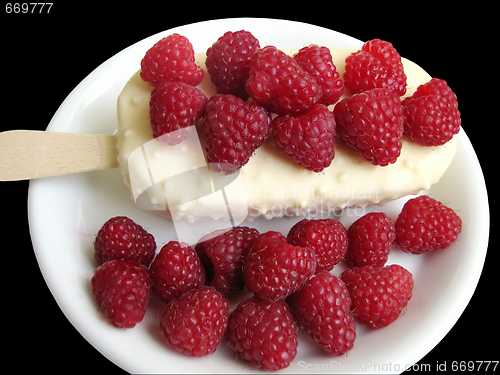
pixel 228 62
pixel 309 139
pixel 376 65
pixel 175 106
pixel 234 130
pixel 426 224
pixel 371 238
pixel 277 82
pixel 224 254
pixel 121 238
pixel 194 322
pixel 378 294
pixel 322 309
pixel 175 270
pixel 171 59
pixel 431 113
pixel 327 237
pixel 274 270
pixel 263 332
pixel 122 289
pixel 372 123
pixel 317 61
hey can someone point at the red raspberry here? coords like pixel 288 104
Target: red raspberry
pixel 371 239
pixel 431 113
pixel 234 130
pixel 194 322
pixel 176 269
pixel 327 237
pixel 274 271
pixel 376 65
pixel 122 289
pixel 322 308
pixel 269 239
pixel 277 82
pixel 223 254
pixel 263 332
pixel 171 59
pixel 121 238
pixel 378 294
pixel 317 61
pixel 309 139
pixel 372 123
pixel 228 62
pixel 426 224
pixel 175 106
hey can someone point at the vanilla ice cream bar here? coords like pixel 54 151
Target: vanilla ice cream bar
pixel 176 181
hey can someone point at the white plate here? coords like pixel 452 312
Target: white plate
pixel 66 212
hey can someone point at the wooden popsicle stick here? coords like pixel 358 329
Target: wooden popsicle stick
pixel 28 154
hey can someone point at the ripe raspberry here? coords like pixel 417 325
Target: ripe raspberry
pixel 376 65
pixel 431 114
pixel 263 332
pixel 426 224
pixel 327 237
pixel 371 239
pixel 372 123
pixel 273 271
pixel 223 254
pixel 309 139
pixel 322 309
pixel 175 106
pixel 171 59
pixel 121 238
pixel 378 294
pixel 277 82
pixel 228 62
pixel 234 130
pixel 175 270
pixel 194 322
pixel 122 289
pixel 317 61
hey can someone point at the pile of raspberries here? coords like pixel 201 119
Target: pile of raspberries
pixel 263 91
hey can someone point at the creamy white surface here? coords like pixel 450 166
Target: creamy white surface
pixel 270 185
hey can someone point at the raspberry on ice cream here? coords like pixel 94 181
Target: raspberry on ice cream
pixel 432 117
pixel 171 59
pixel 376 65
pixel 234 130
pixel 317 61
pixel 274 270
pixel 308 139
pixel 228 62
pixel 327 237
pixel 371 239
pixel 277 194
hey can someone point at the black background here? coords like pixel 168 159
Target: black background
pixel 44 56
